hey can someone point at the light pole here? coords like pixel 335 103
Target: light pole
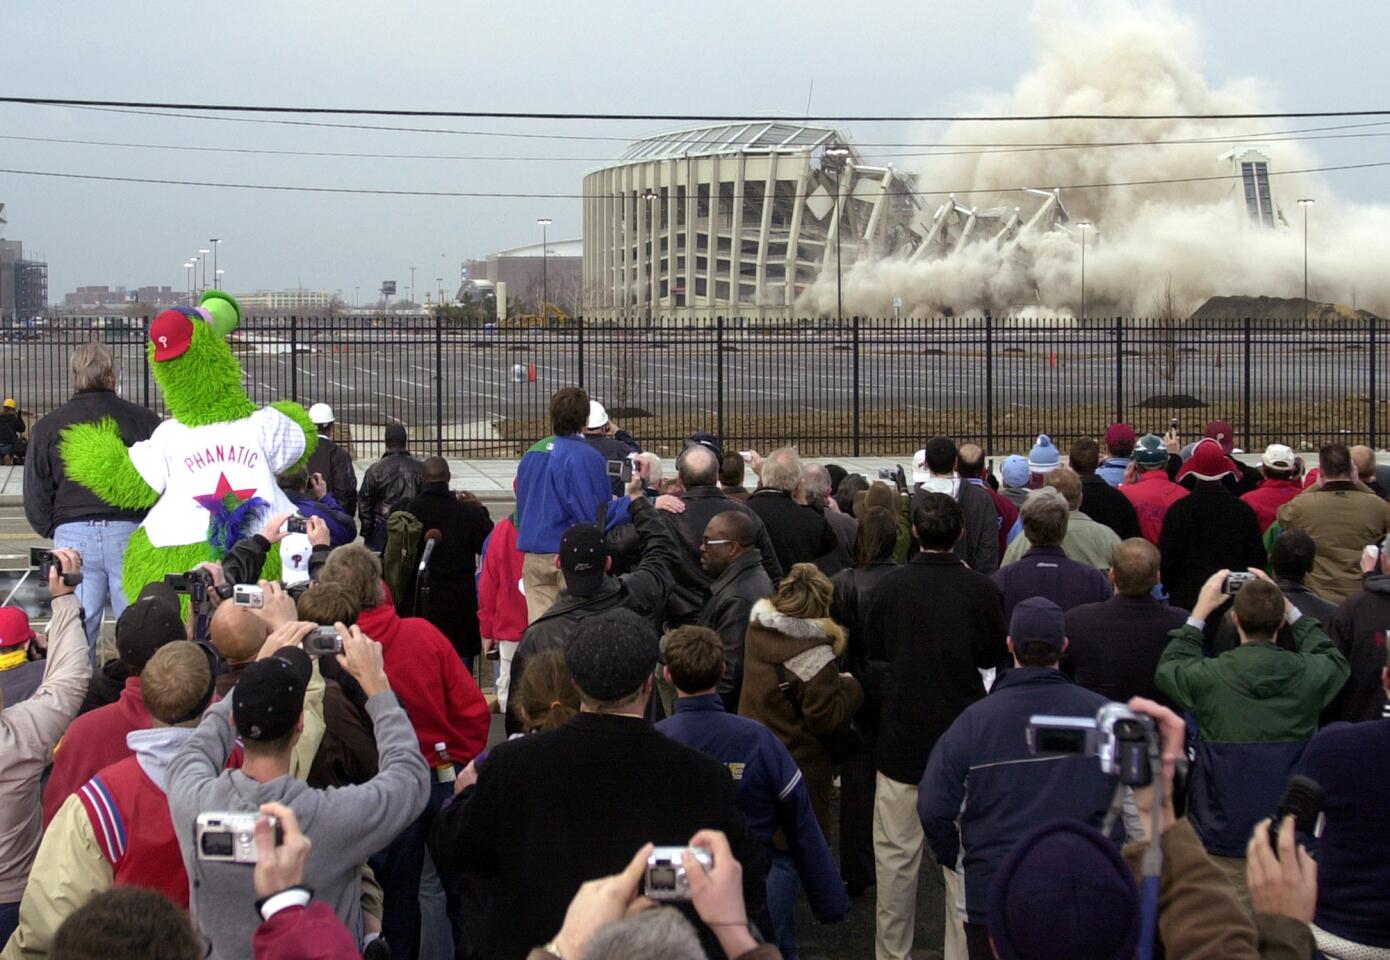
pixel 440 282
pixel 839 154
pixel 203 255
pixel 188 266
pixel 1083 224
pixel 215 272
pixel 648 198
pixel 412 284
pixel 217 276
pixel 1305 203
pixel 545 253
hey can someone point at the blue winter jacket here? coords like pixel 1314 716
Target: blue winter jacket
pixel 561 481
pixel 982 774
pixel 1112 471
pixel 341 528
pixel 771 792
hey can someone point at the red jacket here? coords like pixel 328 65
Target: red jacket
pixel 304 933
pixel 130 818
pixel 95 740
pixel 1269 496
pixel 501 604
pixel 1008 513
pixel 1152 494
pixel 439 696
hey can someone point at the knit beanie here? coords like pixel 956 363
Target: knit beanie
pixel 1064 893
pixel 1014 471
pixel 1044 457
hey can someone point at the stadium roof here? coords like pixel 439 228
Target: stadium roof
pixel 558 248
pixel 761 136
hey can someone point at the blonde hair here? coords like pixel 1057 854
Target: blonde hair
pixel 804 593
pixel 175 681
pixel 357 569
pixel 92 367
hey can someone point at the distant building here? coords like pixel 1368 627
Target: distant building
pixel 525 271
pixel 1254 198
pixel 105 296
pixel 285 300
pixel 23 284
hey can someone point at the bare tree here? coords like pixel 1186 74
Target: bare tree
pixel 1169 311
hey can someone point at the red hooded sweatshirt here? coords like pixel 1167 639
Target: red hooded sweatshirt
pixel 501 604
pixel 427 676
pixel 94 741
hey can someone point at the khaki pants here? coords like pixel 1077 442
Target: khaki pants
pixel 541 580
pixel 898 842
pixel 1234 870
pixel 955 947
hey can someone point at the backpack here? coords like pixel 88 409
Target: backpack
pixel 401 556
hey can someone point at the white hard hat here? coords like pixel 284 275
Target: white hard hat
pixel 321 413
pixel 597 415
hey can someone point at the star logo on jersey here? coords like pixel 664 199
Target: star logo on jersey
pixel 211 501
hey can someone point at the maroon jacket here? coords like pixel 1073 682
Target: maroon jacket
pixel 304 933
pixel 1269 496
pixel 94 741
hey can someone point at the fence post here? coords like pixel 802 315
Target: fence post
pixel 294 359
pixel 854 331
pixel 579 350
pixel 1372 423
pixel 989 384
pixel 438 385
pixel 145 359
pixel 719 377
pixel 1119 370
pixel 1245 374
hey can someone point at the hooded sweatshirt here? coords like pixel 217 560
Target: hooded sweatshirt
pixel 1359 628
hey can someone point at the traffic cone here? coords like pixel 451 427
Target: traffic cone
pixel 1052 359
pixel 1218 357
pixel 531 372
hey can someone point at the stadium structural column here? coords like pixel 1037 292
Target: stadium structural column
pixel 854 333
pixel 719 376
pixel 1119 370
pixel 1245 384
pixel 989 384
pixel 579 350
pixel 438 385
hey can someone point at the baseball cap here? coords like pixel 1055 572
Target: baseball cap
pixel 1208 461
pixel 1278 457
pixel 1223 433
pixel 597 415
pixel 1150 451
pixel 14 628
pixel 1014 470
pixel 321 413
pixel 707 440
pixel 153 620
pixel 269 695
pixel 920 473
pixel 1044 457
pixel 1038 620
pixel 1120 435
pixel 583 559
pixel 1055 874
pixel 612 654
pixel 171 333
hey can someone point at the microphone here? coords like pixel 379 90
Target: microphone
pixel 432 537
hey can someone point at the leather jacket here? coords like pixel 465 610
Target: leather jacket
pixel 388 485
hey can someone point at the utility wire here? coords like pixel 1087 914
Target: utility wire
pixel 680 117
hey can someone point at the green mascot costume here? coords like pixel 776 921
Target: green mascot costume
pixel 207 475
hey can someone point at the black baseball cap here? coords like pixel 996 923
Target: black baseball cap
pixel 583 559
pixel 269 695
pixel 154 619
pixel 1038 620
pixel 707 440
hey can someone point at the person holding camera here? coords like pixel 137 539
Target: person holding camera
pixel 21 656
pixel 116 830
pixel 349 824
pixel 309 494
pixel 984 789
pixel 29 730
pixel 1256 707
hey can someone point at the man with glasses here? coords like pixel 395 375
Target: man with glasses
pixel 728 553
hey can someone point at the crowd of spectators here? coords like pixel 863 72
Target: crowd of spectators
pixel 1080 682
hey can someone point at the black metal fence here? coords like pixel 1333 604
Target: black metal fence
pixel 865 387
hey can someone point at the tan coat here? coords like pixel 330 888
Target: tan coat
pixel 1342 520
pixel 807 650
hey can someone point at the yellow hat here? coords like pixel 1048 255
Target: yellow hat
pixel 9 402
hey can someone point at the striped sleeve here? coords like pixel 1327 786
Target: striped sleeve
pixel 107 823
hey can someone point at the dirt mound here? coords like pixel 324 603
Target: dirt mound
pixel 1292 310
pixel 1177 401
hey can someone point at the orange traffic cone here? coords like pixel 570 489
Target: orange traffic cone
pixel 1052 359
pixel 531 372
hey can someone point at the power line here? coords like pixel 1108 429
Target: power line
pixel 291 153
pixel 364 191
pixel 679 117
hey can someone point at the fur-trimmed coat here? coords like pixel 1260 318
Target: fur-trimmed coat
pixel 807 650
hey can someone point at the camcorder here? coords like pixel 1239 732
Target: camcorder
pixel 1235 581
pixel 44 561
pixel 1302 800
pixel 665 878
pixel 230 837
pixel 620 469
pixel 198 584
pixel 1117 736
pixel 323 642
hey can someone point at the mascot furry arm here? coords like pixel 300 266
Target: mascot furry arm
pixel 207 475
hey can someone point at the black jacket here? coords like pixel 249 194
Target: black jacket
pixel 1107 505
pixel 799 534
pixel 1113 646
pixel 692 584
pixel 936 624
pixel 50 498
pixel 336 466
pixel 553 810
pixel 732 596
pixel 11 428
pixel 1359 628
pixel 643 591
pixel 453 599
pixel 1211 529
pixel 613 448
pixel 850 601
pixel 386 487
pixel 979 548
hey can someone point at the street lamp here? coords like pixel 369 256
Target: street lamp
pixel 412 284
pixel 1305 203
pixel 838 154
pixel 188 280
pixel 544 223
pixel 440 281
pixel 215 272
pixel 204 255
pixel 1083 224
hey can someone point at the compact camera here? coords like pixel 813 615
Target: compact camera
pixel 44 561
pixel 248 595
pixel 323 642
pixel 230 837
pixel 1117 736
pixel 1235 581
pixel 297 524
pixel 665 878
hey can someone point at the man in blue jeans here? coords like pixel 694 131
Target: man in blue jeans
pixel 64 510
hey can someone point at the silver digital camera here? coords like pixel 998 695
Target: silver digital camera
pixel 230 837
pixel 1117 736
pixel 665 878
pixel 248 595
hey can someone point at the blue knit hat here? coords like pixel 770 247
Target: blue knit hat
pixel 1044 457
pixel 1014 471
pixel 1064 893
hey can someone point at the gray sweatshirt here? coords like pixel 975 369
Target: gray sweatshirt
pixel 345 824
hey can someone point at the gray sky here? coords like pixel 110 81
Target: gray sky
pixel 901 56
